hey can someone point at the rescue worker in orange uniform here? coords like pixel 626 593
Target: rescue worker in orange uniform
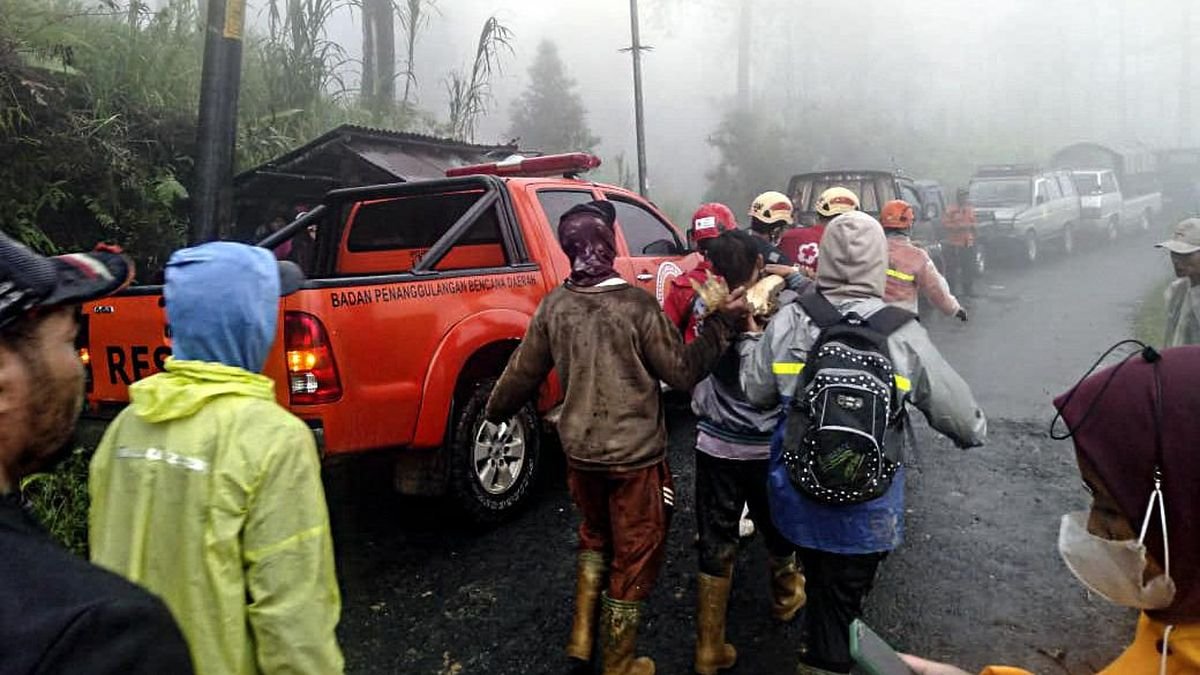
pixel 959 243
pixel 802 244
pixel 708 222
pixel 909 267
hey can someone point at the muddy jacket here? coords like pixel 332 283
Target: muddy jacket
pixel 611 345
pixel 1183 314
pixel 770 372
pixel 720 405
pixel 911 271
pixel 207 492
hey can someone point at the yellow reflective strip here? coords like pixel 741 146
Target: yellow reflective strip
pixel 897 274
pixel 269 550
pixel 786 368
pixel 903 383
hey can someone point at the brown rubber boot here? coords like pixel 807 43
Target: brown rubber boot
pixel 589 579
pixel 713 653
pixel 787 588
pixel 618 638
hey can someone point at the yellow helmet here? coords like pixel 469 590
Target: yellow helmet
pixel 836 200
pixel 772 207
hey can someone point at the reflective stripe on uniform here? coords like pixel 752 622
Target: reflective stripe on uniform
pixel 794 368
pixel 786 368
pixel 897 274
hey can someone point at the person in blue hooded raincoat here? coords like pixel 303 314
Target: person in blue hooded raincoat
pixel 207 492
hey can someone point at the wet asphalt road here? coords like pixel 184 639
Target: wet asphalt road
pixel 978 580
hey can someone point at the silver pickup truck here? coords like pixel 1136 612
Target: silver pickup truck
pixel 1107 210
pixel 1025 207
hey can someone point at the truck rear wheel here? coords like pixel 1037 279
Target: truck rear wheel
pixel 489 481
pixel 1068 241
pixel 1113 231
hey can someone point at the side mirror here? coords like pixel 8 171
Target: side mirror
pixel 661 247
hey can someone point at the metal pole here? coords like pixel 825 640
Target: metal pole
pixel 637 98
pixel 216 132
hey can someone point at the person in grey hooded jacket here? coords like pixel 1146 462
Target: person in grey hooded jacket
pixel 841 546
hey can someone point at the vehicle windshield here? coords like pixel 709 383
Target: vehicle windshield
pixel 1088 183
pixel 1001 192
pixel 873 190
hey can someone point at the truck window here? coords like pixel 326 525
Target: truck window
pixel 1089 183
pixel 642 228
pixel 1064 184
pixel 914 200
pixel 1052 189
pixel 1108 183
pixel 557 202
pixel 391 235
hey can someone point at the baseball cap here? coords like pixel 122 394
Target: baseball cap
pixel 29 281
pixel 1185 239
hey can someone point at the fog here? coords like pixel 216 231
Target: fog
pixel 933 86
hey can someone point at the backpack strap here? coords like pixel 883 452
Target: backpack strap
pixel 889 320
pixel 819 309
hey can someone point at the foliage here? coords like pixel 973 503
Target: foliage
pixel 549 116
pixel 470 92
pixel 59 501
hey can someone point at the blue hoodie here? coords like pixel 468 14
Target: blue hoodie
pixel 222 303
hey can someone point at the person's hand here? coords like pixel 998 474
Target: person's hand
pixel 922 667
pixel 750 324
pixel 961 315
pixel 780 270
pixel 735 306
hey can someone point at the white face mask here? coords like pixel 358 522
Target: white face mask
pixel 1115 569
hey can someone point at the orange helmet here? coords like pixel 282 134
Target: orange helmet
pixel 896 215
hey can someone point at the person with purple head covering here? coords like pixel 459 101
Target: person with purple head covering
pixel 611 344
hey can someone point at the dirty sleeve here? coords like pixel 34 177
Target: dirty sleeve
pixel 938 391
pixel 670 360
pixel 291 582
pixel 528 367
pixel 933 286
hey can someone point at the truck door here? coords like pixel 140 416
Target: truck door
pixel 654 253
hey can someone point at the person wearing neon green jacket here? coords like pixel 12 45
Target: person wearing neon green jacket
pixel 208 493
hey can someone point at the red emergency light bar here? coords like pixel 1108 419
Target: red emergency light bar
pixel 567 164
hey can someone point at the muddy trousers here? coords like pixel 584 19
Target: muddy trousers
pixel 723 486
pixel 837 588
pixel 626 516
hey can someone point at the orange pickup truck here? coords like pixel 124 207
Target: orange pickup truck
pixel 417 294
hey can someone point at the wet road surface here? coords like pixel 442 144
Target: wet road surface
pixel 977 581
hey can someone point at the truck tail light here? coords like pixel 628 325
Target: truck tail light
pixel 312 371
pixel 568 164
pixel 82 342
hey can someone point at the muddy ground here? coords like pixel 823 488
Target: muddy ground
pixel 977 581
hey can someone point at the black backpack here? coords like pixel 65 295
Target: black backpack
pixel 836 444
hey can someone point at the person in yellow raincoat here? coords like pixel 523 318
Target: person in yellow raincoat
pixel 208 493
pixel 1136 436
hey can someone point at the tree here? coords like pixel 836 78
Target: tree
pixel 469 93
pixel 550 116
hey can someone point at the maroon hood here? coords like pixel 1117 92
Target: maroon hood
pixel 586 235
pixel 1117 439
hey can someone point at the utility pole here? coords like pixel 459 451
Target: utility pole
pixel 639 117
pixel 216 133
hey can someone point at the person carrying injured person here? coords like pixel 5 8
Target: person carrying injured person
pixel 611 345
pixel 733 444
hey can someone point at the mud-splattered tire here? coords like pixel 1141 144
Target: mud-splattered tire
pixel 490 483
